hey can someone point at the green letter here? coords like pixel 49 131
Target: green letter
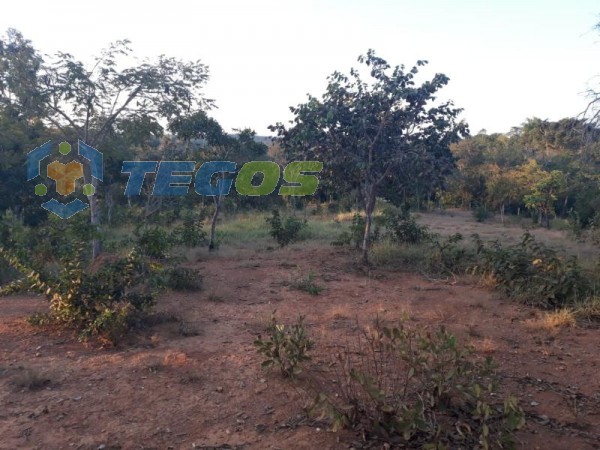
pixel 306 184
pixel 269 169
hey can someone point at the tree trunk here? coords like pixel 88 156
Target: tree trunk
pixel 502 213
pixel 213 223
pixel 369 207
pixel 95 221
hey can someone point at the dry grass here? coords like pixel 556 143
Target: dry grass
pixel 510 232
pixel 486 346
pixel 30 379
pixel 554 320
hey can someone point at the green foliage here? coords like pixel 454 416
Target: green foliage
pixel 403 227
pixel 449 256
pixel 481 213
pixel 285 231
pixel 366 130
pixel 355 235
pixel 533 272
pixel 154 242
pixel 182 279
pixel 191 232
pixel 103 304
pixel 418 389
pixel 285 348
pixel 306 284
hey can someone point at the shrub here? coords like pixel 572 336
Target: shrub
pixel 355 235
pixel 286 348
pixel 481 213
pixel 191 232
pixel 182 279
pixel 533 272
pixel 449 257
pixel 284 231
pixel 306 284
pixel 416 389
pixel 154 242
pixel 403 227
pixel 102 304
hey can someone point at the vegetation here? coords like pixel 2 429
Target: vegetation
pixel 306 284
pixel 390 150
pixel 419 389
pixel 286 348
pixel 285 231
pixel 378 138
pixel 535 273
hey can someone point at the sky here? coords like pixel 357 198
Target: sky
pixel 507 60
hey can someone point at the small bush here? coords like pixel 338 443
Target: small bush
pixel 306 284
pixel 182 279
pixel 153 242
pixel 285 231
pixel 414 388
pixel 403 227
pixel 533 272
pixel 355 235
pixel 285 348
pixel 481 213
pixel 449 256
pixel 103 304
pixel 191 232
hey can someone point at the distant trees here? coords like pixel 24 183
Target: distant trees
pixel 544 167
pixel 387 130
pixel 93 103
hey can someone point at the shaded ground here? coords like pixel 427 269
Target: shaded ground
pixel 194 380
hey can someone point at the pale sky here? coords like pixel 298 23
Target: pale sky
pixel 507 59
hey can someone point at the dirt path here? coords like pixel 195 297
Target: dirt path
pixel 196 382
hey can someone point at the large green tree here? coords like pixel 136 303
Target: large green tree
pixel 389 129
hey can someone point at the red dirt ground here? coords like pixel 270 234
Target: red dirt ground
pixel 197 382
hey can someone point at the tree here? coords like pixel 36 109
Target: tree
pixel 368 134
pixel 218 146
pixel 544 195
pixel 89 103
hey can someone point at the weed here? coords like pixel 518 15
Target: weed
pixel 30 379
pixel 191 232
pixel 418 389
pixel 306 284
pixel 284 231
pixel 533 272
pixel 286 348
pixel 182 279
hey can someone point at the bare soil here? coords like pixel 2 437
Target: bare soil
pixel 194 380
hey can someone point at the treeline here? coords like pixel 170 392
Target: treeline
pixel 542 169
pixel 153 110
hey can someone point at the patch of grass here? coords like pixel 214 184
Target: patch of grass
pixel 30 379
pixel 589 310
pixel 182 279
pixel 398 257
pixel 243 228
pixel 561 318
pixel 306 283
